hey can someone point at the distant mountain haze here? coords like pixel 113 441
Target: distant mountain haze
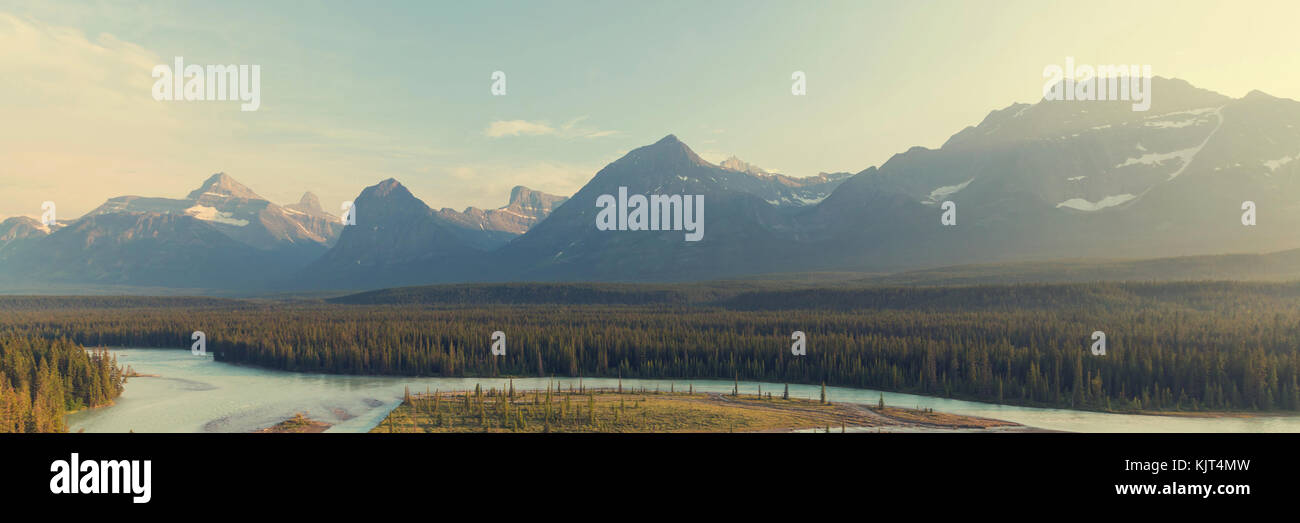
pixel 494 227
pixel 240 213
pixel 785 191
pixel 1031 182
pixel 16 229
pixel 142 248
pixel 397 239
pixel 1078 179
pixel 738 223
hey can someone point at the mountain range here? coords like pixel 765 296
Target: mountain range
pixel 1030 183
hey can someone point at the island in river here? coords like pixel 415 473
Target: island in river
pixel 611 410
pixel 299 423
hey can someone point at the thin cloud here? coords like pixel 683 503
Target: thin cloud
pixel 503 128
pixel 91 131
pixel 570 129
pixel 487 185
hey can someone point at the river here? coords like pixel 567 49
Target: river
pixel 197 394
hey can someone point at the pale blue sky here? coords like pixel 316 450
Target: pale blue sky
pixel 354 92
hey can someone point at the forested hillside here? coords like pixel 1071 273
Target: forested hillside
pixel 1186 346
pixel 42 379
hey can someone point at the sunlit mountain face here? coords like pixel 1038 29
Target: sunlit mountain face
pixel 1051 180
pixel 1084 178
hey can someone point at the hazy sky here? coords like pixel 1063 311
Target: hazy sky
pixel 355 92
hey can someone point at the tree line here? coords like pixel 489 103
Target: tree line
pixel 1176 346
pixel 42 379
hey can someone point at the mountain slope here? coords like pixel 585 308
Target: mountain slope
pixel 1278 266
pixel 1054 180
pixel 739 227
pixel 302 230
pixel 1077 179
pixel 492 228
pixel 397 240
pixel 221 235
pixel 16 230
pixel 162 249
pixel 781 190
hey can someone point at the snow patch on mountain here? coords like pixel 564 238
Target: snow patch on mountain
pixel 1218 112
pixel 1174 124
pixel 1185 155
pixel 211 214
pixel 1159 158
pixel 1191 112
pixel 945 191
pixel 1171 120
pixel 1274 164
pixel 1080 204
pixel 810 201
